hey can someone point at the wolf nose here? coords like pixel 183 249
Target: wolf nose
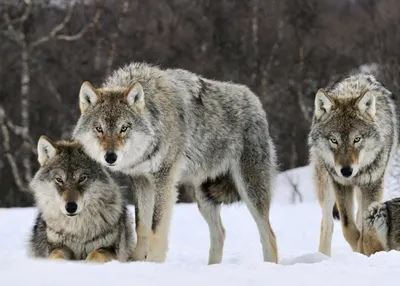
pixel 71 207
pixel 346 171
pixel 110 157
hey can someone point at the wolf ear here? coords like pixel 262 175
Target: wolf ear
pixel 46 150
pixel 322 104
pixel 87 96
pixel 135 96
pixel 366 103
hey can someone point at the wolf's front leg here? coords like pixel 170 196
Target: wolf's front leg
pixel 144 208
pixel 369 242
pixel 61 253
pixel 345 203
pixel 165 198
pixel 101 255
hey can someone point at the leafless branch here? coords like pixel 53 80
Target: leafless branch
pixel 295 188
pixel 61 26
pixel 82 32
pixel 13 33
pixel 114 37
pixel 7 151
pixel 25 15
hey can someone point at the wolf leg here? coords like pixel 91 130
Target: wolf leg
pixel 360 213
pixel 62 253
pixel 369 242
pixel 254 185
pixel 144 208
pixel 100 256
pixel 165 199
pixel 211 212
pixel 323 187
pixel 345 203
pixel 376 217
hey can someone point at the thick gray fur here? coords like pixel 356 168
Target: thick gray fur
pixel 384 218
pixel 184 129
pixel 103 221
pixel 354 125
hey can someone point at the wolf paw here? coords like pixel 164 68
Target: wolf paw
pixel 140 254
pixel 99 256
pixel 57 254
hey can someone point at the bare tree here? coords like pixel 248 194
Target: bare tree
pixel 15 30
pixel 294 183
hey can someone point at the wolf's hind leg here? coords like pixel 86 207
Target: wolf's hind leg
pixel 254 185
pixel 211 212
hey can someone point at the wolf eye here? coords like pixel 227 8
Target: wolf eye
pixel 82 178
pixel 124 128
pixel 99 129
pixel 357 139
pixel 59 180
pixel 333 140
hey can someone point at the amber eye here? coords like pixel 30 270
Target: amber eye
pixel 82 178
pixel 59 180
pixel 357 139
pixel 124 128
pixel 333 140
pixel 99 129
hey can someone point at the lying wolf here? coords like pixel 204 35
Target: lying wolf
pixel 81 212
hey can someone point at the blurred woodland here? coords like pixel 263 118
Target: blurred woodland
pixel 284 50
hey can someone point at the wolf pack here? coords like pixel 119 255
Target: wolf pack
pixel 166 128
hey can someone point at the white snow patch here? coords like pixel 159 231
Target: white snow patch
pixel 296 227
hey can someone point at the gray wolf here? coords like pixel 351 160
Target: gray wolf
pixel 81 212
pixel 166 127
pixel 352 141
pixel 384 218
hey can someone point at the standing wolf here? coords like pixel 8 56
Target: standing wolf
pixel 352 139
pixel 384 218
pixel 165 127
pixel 81 211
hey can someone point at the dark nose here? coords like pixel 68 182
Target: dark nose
pixel 346 171
pixel 71 207
pixel 110 157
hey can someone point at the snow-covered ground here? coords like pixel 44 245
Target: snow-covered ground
pixel 296 227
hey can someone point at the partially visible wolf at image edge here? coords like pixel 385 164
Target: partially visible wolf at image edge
pixel 168 127
pixel 352 142
pixel 384 218
pixel 81 212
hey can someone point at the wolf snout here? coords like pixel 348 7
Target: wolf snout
pixel 110 157
pixel 346 171
pixel 71 208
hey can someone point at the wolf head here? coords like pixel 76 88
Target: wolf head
pixel 113 123
pixel 68 180
pixel 344 132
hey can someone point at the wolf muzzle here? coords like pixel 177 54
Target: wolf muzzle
pixel 71 208
pixel 110 157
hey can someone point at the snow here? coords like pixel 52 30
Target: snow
pixel 296 227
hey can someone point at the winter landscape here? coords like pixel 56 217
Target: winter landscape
pixel 297 230
pixel 283 50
